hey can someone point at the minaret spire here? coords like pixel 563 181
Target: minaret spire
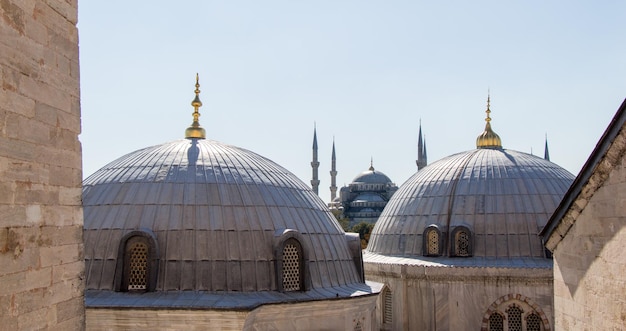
pixel 546 153
pixel 421 150
pixel 195 131
pixel 315 182
pixel 333 174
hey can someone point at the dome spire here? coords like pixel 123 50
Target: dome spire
pixel 195 131
pixel 488 139
pixel 371 164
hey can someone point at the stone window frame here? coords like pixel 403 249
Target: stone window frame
pixel 426 243
pixel 282 238
pixel 527 305
pixel 387 307
pixel 122 268
pixel 455 242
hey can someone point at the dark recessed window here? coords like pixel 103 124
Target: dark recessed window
pixel 137 262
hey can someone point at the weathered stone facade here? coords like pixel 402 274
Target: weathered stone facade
pixel 587 235
pixel 41 253
pixel 452 298
pixel 340 314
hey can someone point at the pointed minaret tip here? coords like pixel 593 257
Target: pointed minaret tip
pixel 195 131
pixel 546 153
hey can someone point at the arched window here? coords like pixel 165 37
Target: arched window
pixel 496 322
pixel 137 262
pixel 462 242
pixel 514 318
pixel 515 312
pixel 387 307
pixel 533 322
pixel 292 273
pixel 433 243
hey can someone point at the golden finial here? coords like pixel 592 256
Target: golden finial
pixel 488 139
pixel 195 130
pixel 371 164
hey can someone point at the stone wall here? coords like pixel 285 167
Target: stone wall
pixel 41 255
pixel 459 298
pixel 589 262
pixel 357 313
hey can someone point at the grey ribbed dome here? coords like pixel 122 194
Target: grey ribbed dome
pixel 502 196
pixel 215 211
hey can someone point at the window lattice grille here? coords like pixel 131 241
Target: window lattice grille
pixel 138 267
pixel 462 243
pixel 433 242
pixel 291 268
pixel 387 310
pixel 496 322
pixel 514 318
pixel 533 322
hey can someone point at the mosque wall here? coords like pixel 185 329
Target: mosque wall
pixel 41 254
pixel 448 298
pixel 341 314
pixel 589 260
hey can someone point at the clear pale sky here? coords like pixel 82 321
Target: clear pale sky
pixel 366 72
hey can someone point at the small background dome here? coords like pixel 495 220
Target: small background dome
pixel 371 176
pixel 502 196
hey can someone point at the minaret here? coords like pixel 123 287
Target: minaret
pixel 421 150
pixel 315 182
pixel 195 131
pixel 546 153
pixel 333 175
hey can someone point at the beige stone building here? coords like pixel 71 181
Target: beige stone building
pixel 587 234
pixel 41 249
pixel 457 246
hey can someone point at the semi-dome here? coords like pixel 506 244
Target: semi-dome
pixel 197 214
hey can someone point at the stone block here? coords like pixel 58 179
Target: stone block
pixel 64 177
pixel 69 309
pixel 62 215
pixel 63 291
pixel 56 235
pixel 76 323
pixel 25 281
pixel 33 320
pixel 17 104
pixel 26 302
pixel 13 16
pixel 69 271
pixel 19 150
pixel 66 9
pixel 33 214
pixel 12 215
pixel 57 255
pixel 70 196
